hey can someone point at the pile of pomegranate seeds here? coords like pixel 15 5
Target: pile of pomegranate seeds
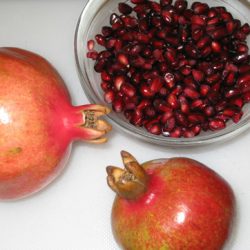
pixel 172 69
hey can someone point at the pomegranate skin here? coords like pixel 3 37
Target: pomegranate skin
pixel 186 206
pixel 37 123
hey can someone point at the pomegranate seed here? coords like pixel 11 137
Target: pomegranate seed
pixel 203 42
pixel 109 96
pixel 91 44
pixel 100 39
pixel 188 133
pixel 146 91
pixel 191 93
pixel 165 2
pixel 200 8
pixel 169 124
pixel 176 133
pixel 128 89
pixel 156 85
pixel 150 112
pixel 125 8
pixel 217 124
pixel 237 116
pixel 198 75
pixel 107 31
pixel 209 111
pixel 173 101
pixel 92 54
pixel 245 28
pixel 204 89
pixel 238 102
pixel 123 59
pixel 246 96
pixel 180 5
pixel 244 68
pixel 198 20
pixel 196 118
pixel 118 105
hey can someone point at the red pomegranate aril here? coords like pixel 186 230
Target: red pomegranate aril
pixel 203 42
pixel 150 112
pixel 176 133
pixel 229 112
pixel 198 20
pixel 169 125
pixel 196 129
pixel 169 80
pixel 241 58
pixel 165 2
pixel 123 59
pixel 238 102
pixel 109 96
pixel 213 78
pixel 172 101
pixel 181 119
pixel 155 129
pixel 204 89
pixel 128 89
pixel 99 65
pixel 100 39
pixel 188 133
pixel 205 52
pixel 91 44
pixel 216 124
pixel 232 93
pixel 213 21
pixel 92 54
pixel 180 5
pixel 209 111
pixel 200 8
pixel 191 93
pixel 198 75
pixel 118 81
pixel 243 78
pixel 242 48
pixel 186 70
pixel 196 118
pixel 197 34
pixel 125 8
pixel 245 28
pixel 156 85
pixel 107 31
pixel 244 68
pixel 230 80
pixel 246 97
pixel 167 16
pixel 197 104
pixel 105 76
pixel 118 105
pixel 237 117
pixel 146 91
pixel 192 51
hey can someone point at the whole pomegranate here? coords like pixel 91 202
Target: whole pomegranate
pixel 170 204
pixel 38 123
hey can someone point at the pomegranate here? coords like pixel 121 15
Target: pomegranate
pixel 173 204
pixel 165 51
pixel 38 123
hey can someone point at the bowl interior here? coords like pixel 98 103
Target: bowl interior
pixel 97 14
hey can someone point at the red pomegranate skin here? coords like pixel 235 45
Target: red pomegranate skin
pixel 186 206
pixel 37 123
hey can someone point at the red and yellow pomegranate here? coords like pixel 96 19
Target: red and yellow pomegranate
pixel 170 204
pixel 38 123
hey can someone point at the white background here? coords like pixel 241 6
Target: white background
pixel 74 212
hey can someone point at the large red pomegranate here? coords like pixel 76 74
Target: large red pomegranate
pixel 38 123
pixel 170 204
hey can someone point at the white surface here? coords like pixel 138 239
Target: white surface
pixel 74 212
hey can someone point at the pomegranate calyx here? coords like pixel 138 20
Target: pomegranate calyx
pixel 129 183
pixel 93 128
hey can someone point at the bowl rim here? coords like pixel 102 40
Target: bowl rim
pixel 216 136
